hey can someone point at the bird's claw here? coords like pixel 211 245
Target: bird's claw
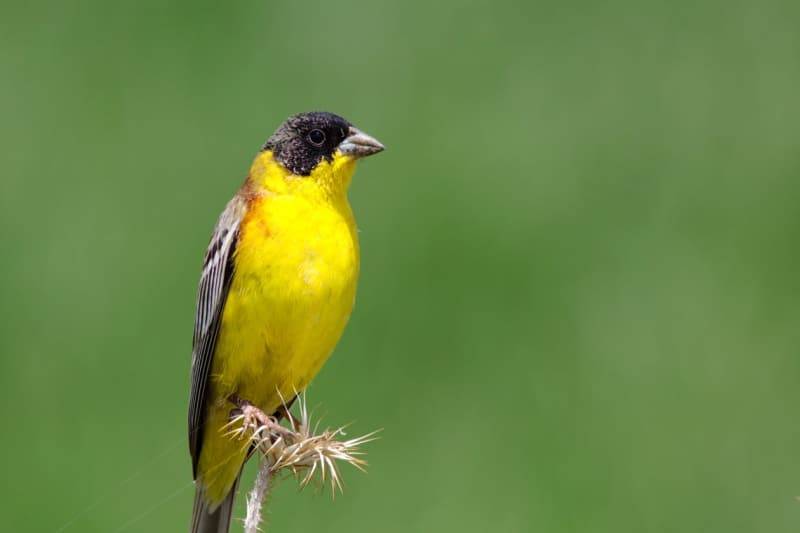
pixel 253 419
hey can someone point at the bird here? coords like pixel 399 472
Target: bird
pixel 277 288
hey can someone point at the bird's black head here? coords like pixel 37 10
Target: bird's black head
pixel 305 139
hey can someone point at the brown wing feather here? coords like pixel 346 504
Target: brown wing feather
pixel 211 295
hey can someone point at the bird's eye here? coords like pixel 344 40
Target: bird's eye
pixel 316 137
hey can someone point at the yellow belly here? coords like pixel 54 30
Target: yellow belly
pixel 296 267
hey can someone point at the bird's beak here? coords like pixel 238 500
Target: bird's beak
pixel 359 144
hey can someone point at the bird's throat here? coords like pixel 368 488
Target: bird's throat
pixel 328 182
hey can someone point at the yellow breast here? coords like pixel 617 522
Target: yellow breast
pixel 294 284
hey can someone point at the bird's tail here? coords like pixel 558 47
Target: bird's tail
pixel 205 520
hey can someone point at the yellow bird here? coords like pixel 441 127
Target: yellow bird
pixel 277 288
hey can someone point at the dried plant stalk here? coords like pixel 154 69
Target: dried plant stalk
pixel 298 449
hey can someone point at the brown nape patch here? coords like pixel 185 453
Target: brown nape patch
pixel 248 189
pixel 252 220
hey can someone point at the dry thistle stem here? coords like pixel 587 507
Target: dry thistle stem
pixel 299 449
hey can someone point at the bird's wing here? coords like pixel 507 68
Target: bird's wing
pixel 211 295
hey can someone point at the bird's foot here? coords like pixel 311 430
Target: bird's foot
pixel 254 421
pixel 254 418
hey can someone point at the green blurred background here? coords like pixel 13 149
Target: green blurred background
pixel 578 307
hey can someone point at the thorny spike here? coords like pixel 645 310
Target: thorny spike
pixel 303 452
